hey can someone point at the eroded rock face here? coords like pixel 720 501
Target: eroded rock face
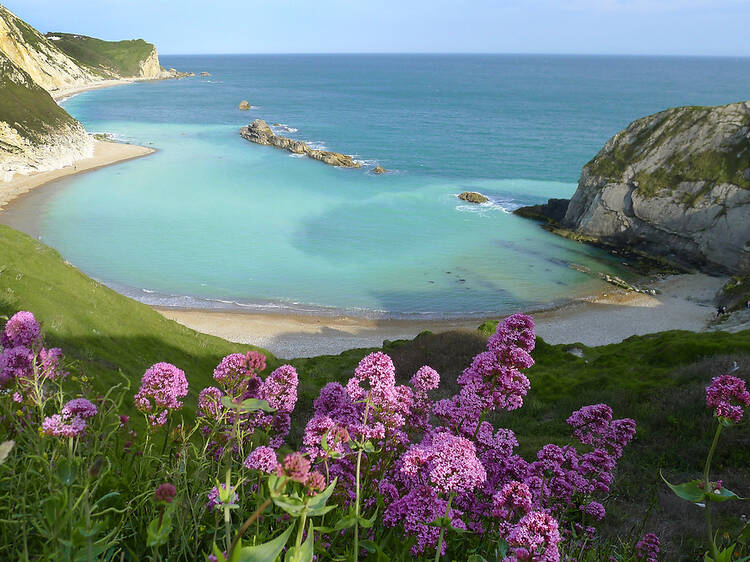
pixel 259 132
pixel 473 197
pixel 675 184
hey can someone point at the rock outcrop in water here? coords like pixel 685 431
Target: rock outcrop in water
pixel 379 170
pixel 259 132
pixel 473 197
pixel 675 185
pixel 244 105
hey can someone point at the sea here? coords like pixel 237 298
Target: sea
pixel 213 221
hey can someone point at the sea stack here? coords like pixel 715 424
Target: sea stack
pixel 259 132
pixel 473 197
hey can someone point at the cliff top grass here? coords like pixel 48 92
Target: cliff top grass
pixel 112 58
pixel 26 106
pixel 644 137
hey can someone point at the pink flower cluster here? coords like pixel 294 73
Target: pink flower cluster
pixel 23 360
pixel 161 387
pixel 237 374
pixel 648 548
pixel 263 458
pixel 728 396
pixel 72 419
pixel 22 329
pixel 298 468
pixel 535 537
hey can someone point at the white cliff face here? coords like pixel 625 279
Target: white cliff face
pixel 55 151
pixel 150 68
pixel 674 184
pixel 38 56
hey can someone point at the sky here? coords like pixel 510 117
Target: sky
pixel 651 27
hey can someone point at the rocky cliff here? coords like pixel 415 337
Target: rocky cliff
pixel 36 134
pixel 675 184
pixel 36 55
pixel 259 132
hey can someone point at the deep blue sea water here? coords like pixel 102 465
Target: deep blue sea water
pixel 211 217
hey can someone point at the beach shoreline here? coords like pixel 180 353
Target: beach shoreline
pixel 105 154
pixel 683 302
pixel 63 94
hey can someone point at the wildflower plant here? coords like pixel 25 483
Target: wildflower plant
pixel 728 397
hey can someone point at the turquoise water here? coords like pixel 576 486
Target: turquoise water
pixel 212 219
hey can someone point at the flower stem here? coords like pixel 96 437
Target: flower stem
pixel 359 465
pixel 708 489
pixel 442 530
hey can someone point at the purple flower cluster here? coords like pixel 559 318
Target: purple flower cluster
pixel 535 537
pixel 236 371
pixel 237 374
pixel 21 330
pixel 165 493
pixel 161 387
pixel 72 419
pixel 298 468
pixel 593 425
pixel 23 360
pixel 263 458
pixel 647 548
pixel 728 396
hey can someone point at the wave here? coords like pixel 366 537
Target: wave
pixel 505 204
pixel 316 145
pixel 283 128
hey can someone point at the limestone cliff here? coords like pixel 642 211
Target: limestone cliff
pixel 675 184
pixel 36 134
pixel 36 55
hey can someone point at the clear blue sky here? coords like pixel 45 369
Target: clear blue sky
pixel 672 27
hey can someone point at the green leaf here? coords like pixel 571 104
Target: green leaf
pixel 367 523
pixel 5 449
pixel 268 551
pixel 66 472
pixel 253 404
pixel 318 501
pixel 722 495
pixel 369 546
pixel 293 506
pixel 218 553
pixel 689 491
pixel 158 535
pixel 346 522
pixel 723 555
pixel 369 447
pixel 476 558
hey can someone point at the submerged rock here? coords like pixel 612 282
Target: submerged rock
pixel 473 197
pixel 205 74
pixel 259 132
pixel 244 105
pixel 379 170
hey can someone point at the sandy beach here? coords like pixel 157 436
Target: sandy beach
pixel 105 154
pixel 59 95
pixel 684 302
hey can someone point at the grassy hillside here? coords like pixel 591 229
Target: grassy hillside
pixel 658 380
pixel 26 106
pixel 115 58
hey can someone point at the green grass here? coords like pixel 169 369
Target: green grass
pixel 656 379
pixel 26 106
pixel 114 58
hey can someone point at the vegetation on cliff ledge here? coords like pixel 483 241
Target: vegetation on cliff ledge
pixel 646 137
pixel 109 58
pixel 27 107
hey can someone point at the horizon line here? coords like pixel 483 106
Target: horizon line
pixel 462 53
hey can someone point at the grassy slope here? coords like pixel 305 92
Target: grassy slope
pixel 119 58
pixel 656 379
pixel 27 107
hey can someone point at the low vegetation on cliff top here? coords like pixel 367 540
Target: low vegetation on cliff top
pixel 109 342
pixel 644 137
pixel 109 58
